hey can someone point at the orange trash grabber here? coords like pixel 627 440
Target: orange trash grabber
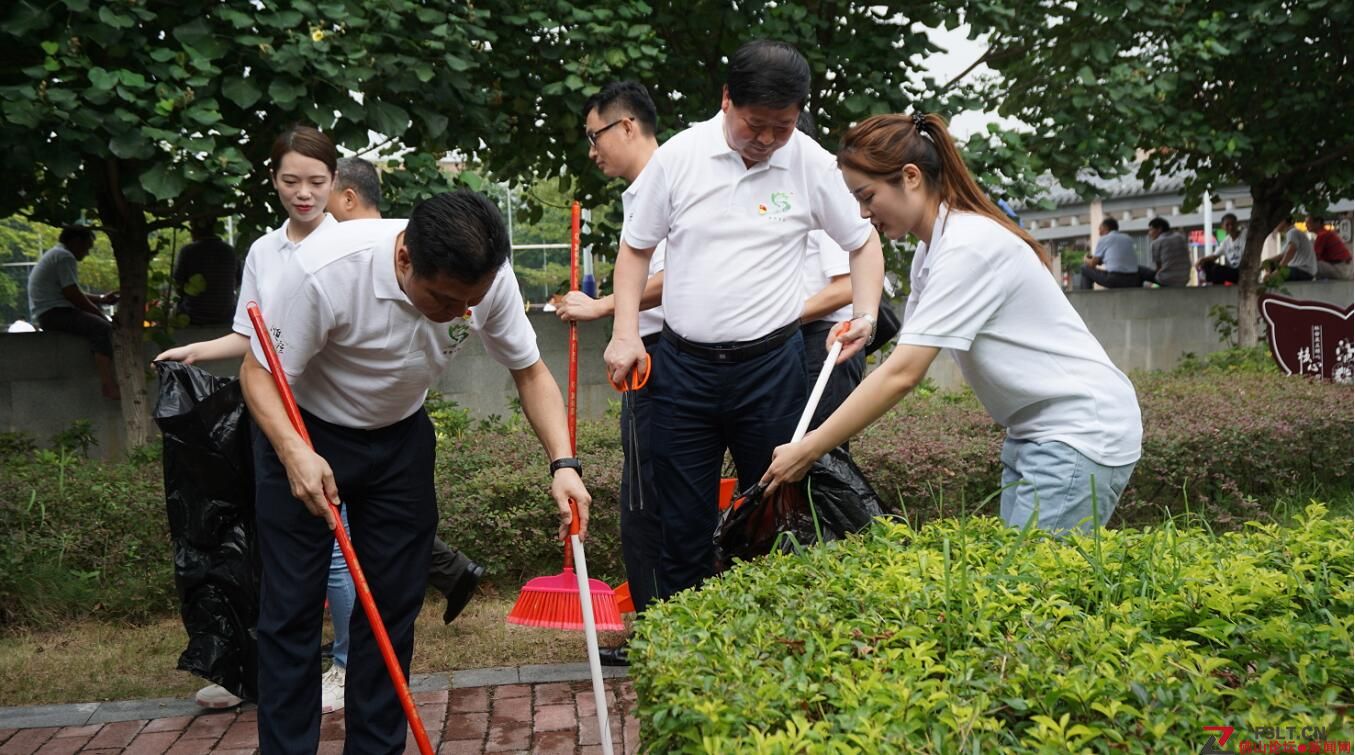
pixel 349 556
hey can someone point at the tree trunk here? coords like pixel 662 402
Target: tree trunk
pixel 125 224
pixel 1267 209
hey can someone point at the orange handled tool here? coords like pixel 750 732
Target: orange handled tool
pixel 359 579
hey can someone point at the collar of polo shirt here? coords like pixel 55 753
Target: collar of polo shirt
pixel 384 284
pixel 719 145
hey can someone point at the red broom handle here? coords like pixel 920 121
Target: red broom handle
pixel 574 215
pixel 573 416
pixel 359 579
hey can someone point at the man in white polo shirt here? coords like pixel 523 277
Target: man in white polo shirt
pixel 374 313
pixel 736 197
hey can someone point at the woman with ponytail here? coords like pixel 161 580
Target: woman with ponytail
pixel 981 288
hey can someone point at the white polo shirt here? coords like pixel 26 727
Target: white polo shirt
pixel 267 257
pixel 356 351
pixel 736 235
pixel 651 320
pixel 825 260
pixel 979 291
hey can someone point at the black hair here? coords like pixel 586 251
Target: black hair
pixel 75 233
pixel 1111 223
pixel 1228 215
pixel 1318 221
pixel 459 234
pixel 359 175
pixel 763 73
pixel 1160 224
pixel 630 96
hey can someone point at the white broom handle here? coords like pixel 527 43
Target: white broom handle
pixel 590 632
pixel 817 393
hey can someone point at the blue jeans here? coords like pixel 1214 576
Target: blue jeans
pixel 342 595
pixel 1056 485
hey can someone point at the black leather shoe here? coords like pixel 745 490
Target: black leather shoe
pixel 617 656
pixel 462 591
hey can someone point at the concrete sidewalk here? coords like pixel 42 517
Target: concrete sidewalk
pixel 536 709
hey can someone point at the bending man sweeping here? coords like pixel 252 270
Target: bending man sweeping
pixel 377 309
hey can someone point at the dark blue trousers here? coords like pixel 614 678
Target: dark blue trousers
pixel 641 528
pixel 385 477
pixel 700 408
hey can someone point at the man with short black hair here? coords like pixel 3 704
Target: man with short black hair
pixel 1171 256
pixel 1115 264
pixel 376 310
pixel 735 197
pixel 357 196
pixel 57 303
pixel 357 191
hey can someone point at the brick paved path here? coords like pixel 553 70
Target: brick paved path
pixel 557 717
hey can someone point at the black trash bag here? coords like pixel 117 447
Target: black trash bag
pixel 755 524
pixel 209 499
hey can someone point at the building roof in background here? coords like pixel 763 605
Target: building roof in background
pixel 1127 184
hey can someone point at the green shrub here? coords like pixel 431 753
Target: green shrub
pixel 84 537
pixel 968 636
pixel 494 492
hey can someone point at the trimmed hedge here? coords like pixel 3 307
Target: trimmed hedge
pixel 84 538
pixel 969 636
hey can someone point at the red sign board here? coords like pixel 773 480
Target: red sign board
pixel 1310 337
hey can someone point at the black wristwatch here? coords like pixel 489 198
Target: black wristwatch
pixel 566 462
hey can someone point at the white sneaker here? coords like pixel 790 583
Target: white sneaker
pixel 331 689
pixel 216 696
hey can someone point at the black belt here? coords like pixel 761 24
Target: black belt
pixel 818 326
pixel 733 351
pixel 650 340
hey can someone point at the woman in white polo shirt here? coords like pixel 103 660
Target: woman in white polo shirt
pixel 302 164
pixel 982 289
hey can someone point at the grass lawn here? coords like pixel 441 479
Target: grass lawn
pixel 91 661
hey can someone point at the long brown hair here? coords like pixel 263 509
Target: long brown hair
pixel 881 145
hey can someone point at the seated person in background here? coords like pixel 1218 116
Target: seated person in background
pixel 1222 267
pixel 57 302
pixel 1114 264
pixel 1298 262
pixel 213 299
pixel 1171 256
pixel 1333 256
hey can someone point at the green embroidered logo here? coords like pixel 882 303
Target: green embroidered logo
pixel 781 201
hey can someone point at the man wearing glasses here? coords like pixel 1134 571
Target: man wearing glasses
pixel 735 197
pixel 619 123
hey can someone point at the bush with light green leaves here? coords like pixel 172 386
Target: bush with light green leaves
pixel 971 637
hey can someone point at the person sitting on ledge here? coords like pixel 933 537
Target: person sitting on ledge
pixel 1114 264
